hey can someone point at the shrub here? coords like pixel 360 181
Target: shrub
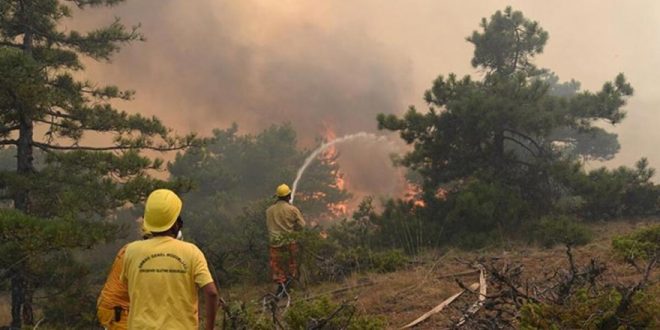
pixel 304 314
pixel 241 317
pixel 388 261
pixel 620 192
pixel 594 311
pixel 565 230
pixel 360 230
pixel 642 244
pixel 401 227
pixel 483 211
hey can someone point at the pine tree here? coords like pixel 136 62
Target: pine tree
pixel 505 133
pixel 44 106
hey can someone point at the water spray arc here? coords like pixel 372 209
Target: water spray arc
pixel 325 146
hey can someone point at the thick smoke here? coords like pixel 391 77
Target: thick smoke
pixel 336 64
pixel 208 63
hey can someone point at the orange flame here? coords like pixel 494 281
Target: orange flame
pixel 337 209
pixel 414 193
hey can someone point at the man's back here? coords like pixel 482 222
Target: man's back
pixel 163 275
pixel 282 218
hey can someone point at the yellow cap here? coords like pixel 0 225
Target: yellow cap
pixel 283 190
pixel 161 210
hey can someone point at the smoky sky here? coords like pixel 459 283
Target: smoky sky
pixel 336 64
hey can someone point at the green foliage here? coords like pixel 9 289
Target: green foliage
pixel 388 261
pixel 45 248
pixel 362 259
pixel 482 213
pixel 235 177
pixel 621 192
pixel 333 258
pixel 232 169
pixel 563 230
pixel 359 231
pixel 586 310
pixel 44 106
pixel 236 247
pixel 69 291
pixel 496 152
pixel 243 317
pixel 397 227
pixel 643 244
pixel 302 314
pixel 28 237
pixel 508 42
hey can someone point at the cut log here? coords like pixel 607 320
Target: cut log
pixel 439 307
pixel 482 284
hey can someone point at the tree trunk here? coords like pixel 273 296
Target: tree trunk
pixel 17 299
pixel 21 308
pixel 21 303
pixel 498 156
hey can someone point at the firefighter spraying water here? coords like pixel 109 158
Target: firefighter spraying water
pixel 283 219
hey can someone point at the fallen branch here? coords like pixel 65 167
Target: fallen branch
pixel 471 311
pixel 482 284
pixel 477 304
pixel 439 307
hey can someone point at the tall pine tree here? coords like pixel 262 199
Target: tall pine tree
pixel 504 136
pixel 44 107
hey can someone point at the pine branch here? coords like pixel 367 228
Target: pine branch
pixel 8 142
pixel 60 114
pixel 52 123
pixel 527 137
pixel 520 144
pixel 5 130
pixel 94 3
pixel 10 44
pixel 50 147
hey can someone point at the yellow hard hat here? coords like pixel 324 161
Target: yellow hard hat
pixel 161 210
pixel 283 190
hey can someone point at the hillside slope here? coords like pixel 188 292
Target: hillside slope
pixel 401 297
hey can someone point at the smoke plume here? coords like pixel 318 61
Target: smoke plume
pixel 336 64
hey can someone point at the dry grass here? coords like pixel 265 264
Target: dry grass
pixel 403 296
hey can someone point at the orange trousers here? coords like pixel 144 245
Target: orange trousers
pixel 279 256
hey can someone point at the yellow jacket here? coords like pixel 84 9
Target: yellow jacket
pixel 282 219
pixel 114 294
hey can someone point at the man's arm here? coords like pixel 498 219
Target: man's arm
pixel 300 221
pixel 211 302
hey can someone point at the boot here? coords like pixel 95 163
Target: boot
pixel 283 288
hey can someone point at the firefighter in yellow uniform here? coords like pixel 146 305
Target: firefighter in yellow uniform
pixel 164 274
pixel 112 305
pixel 283 219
